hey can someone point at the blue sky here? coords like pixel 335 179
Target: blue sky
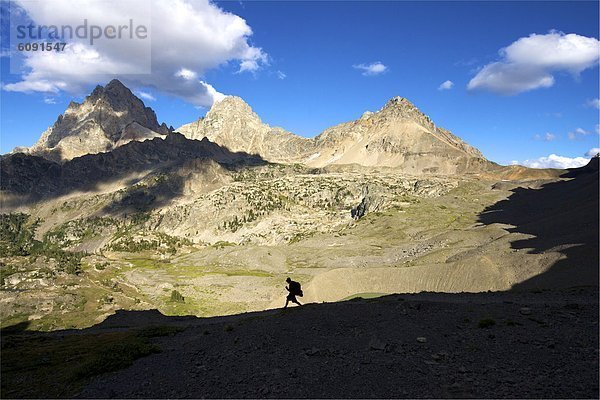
pixel 299 69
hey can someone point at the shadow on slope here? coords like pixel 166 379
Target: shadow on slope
pixel 431 345
pixel 27 179
pixel 562 216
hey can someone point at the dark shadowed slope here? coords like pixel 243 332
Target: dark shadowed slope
pixel 488 345
pixel 27 179
pixel 561 216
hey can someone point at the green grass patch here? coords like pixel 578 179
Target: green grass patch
pixel 242 272
pixel 52 366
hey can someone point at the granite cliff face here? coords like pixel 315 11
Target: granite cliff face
pixel 108 118
pixel 397 136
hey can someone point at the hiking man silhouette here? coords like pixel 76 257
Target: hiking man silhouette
pixel 294 290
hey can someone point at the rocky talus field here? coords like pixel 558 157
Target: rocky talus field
pixel 153 262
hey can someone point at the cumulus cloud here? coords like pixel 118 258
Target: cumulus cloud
pixel 187 38
pixel 547 137
pixel 529 62
pixel 49 100
pixel 555 161
pixel 592 152
pixel 594 103
pixel 280 75
pixel 375 68
pixel 447 85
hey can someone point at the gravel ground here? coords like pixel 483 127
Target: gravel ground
pixel 490 345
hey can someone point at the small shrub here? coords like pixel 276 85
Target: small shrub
pixel 102 266
pixel 177 297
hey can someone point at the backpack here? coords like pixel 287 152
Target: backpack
pixel 295 289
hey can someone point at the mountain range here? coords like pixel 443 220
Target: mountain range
pixel 397 136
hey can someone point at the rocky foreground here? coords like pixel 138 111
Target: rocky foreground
pixel 498 345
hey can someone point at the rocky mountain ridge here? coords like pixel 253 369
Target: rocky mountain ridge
pixel 108 118
pixel 233 124
pixel 398 136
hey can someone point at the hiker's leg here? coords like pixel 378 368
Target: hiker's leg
pixel 286 303
pixel 297 302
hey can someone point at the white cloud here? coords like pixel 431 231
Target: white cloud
pixel 447 85
pixel 375 68
pixel 573 135
pixel 49 100
pixel 594 103
pixel 510 79
pixel 253 65
pixel 547 137
pixel 529 63
pixel 555 161
pixel 186 36
pixel 592 152
pixel 280 75
pixel 186 74
pixel 145 95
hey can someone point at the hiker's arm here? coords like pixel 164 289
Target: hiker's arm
pixel 287 288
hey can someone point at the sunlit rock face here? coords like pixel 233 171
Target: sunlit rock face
pixel 232 123
pixel 397 136
pixel 109 117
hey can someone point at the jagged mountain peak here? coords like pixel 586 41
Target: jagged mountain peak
pixel 403 108
pixel 235 101
pixel 398 135
pixel 116 94
pixel 231 105
pixel 109 117
pixel 399 102
pixel 233 124
pixel 115 86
